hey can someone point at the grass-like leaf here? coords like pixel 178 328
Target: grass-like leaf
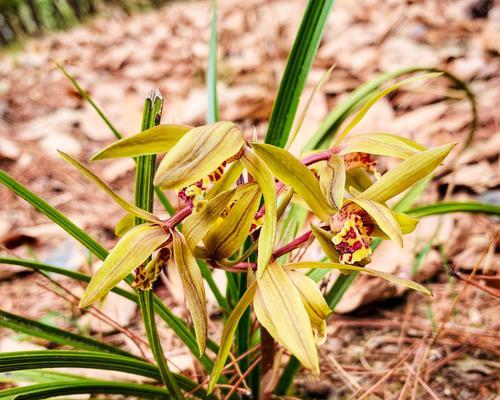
pixel 55 335
pixel 59 218
pixel 371 102
pixel 179 326
pixel 333 121
pixel 446 207
pixel 39 359
pixel 211 76
pixel 297 68
pixel 87 97
pixel 39 376
pixel 90 386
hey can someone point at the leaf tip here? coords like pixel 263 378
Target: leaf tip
pixel 96 156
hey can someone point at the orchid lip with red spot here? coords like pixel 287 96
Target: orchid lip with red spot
pixel 353 227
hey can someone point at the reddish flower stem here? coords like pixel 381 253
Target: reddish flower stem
pixel 178 217
pixel 297 242
pixel 294 244
pixel 321 156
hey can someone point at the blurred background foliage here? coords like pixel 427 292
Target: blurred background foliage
pixel 23 18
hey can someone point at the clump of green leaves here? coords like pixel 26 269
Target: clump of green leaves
pixel 243 206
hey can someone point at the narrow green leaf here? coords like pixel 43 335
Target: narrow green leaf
pixel 228 335
pixel 297 68
pixel 198 153
pixel 131 251
pixel 117 198
pixel 37 359
pixel 194 290
pixel 344 267
pixel 28 360
pixel 40 376
pixel 358 97
pixel 38 266
pixel 292 172
pixel 446 207
pixel 303 115
pixel 51 390
pixel 53 214
pixel 373 99
pixel 158 139
pixel 144 198
pixel 406 174
pixel 177 325
pixel 265 179
pixel 55 335
pixel 211 77
pixel 147 309
pixel 87 97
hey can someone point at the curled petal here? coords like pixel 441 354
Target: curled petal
pixel 314 302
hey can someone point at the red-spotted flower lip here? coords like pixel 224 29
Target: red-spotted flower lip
pixel 353 227
pixel 364 160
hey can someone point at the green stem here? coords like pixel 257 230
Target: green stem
pixel 147 309
pixel 144 196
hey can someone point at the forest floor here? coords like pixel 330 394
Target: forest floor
pixel 383 342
